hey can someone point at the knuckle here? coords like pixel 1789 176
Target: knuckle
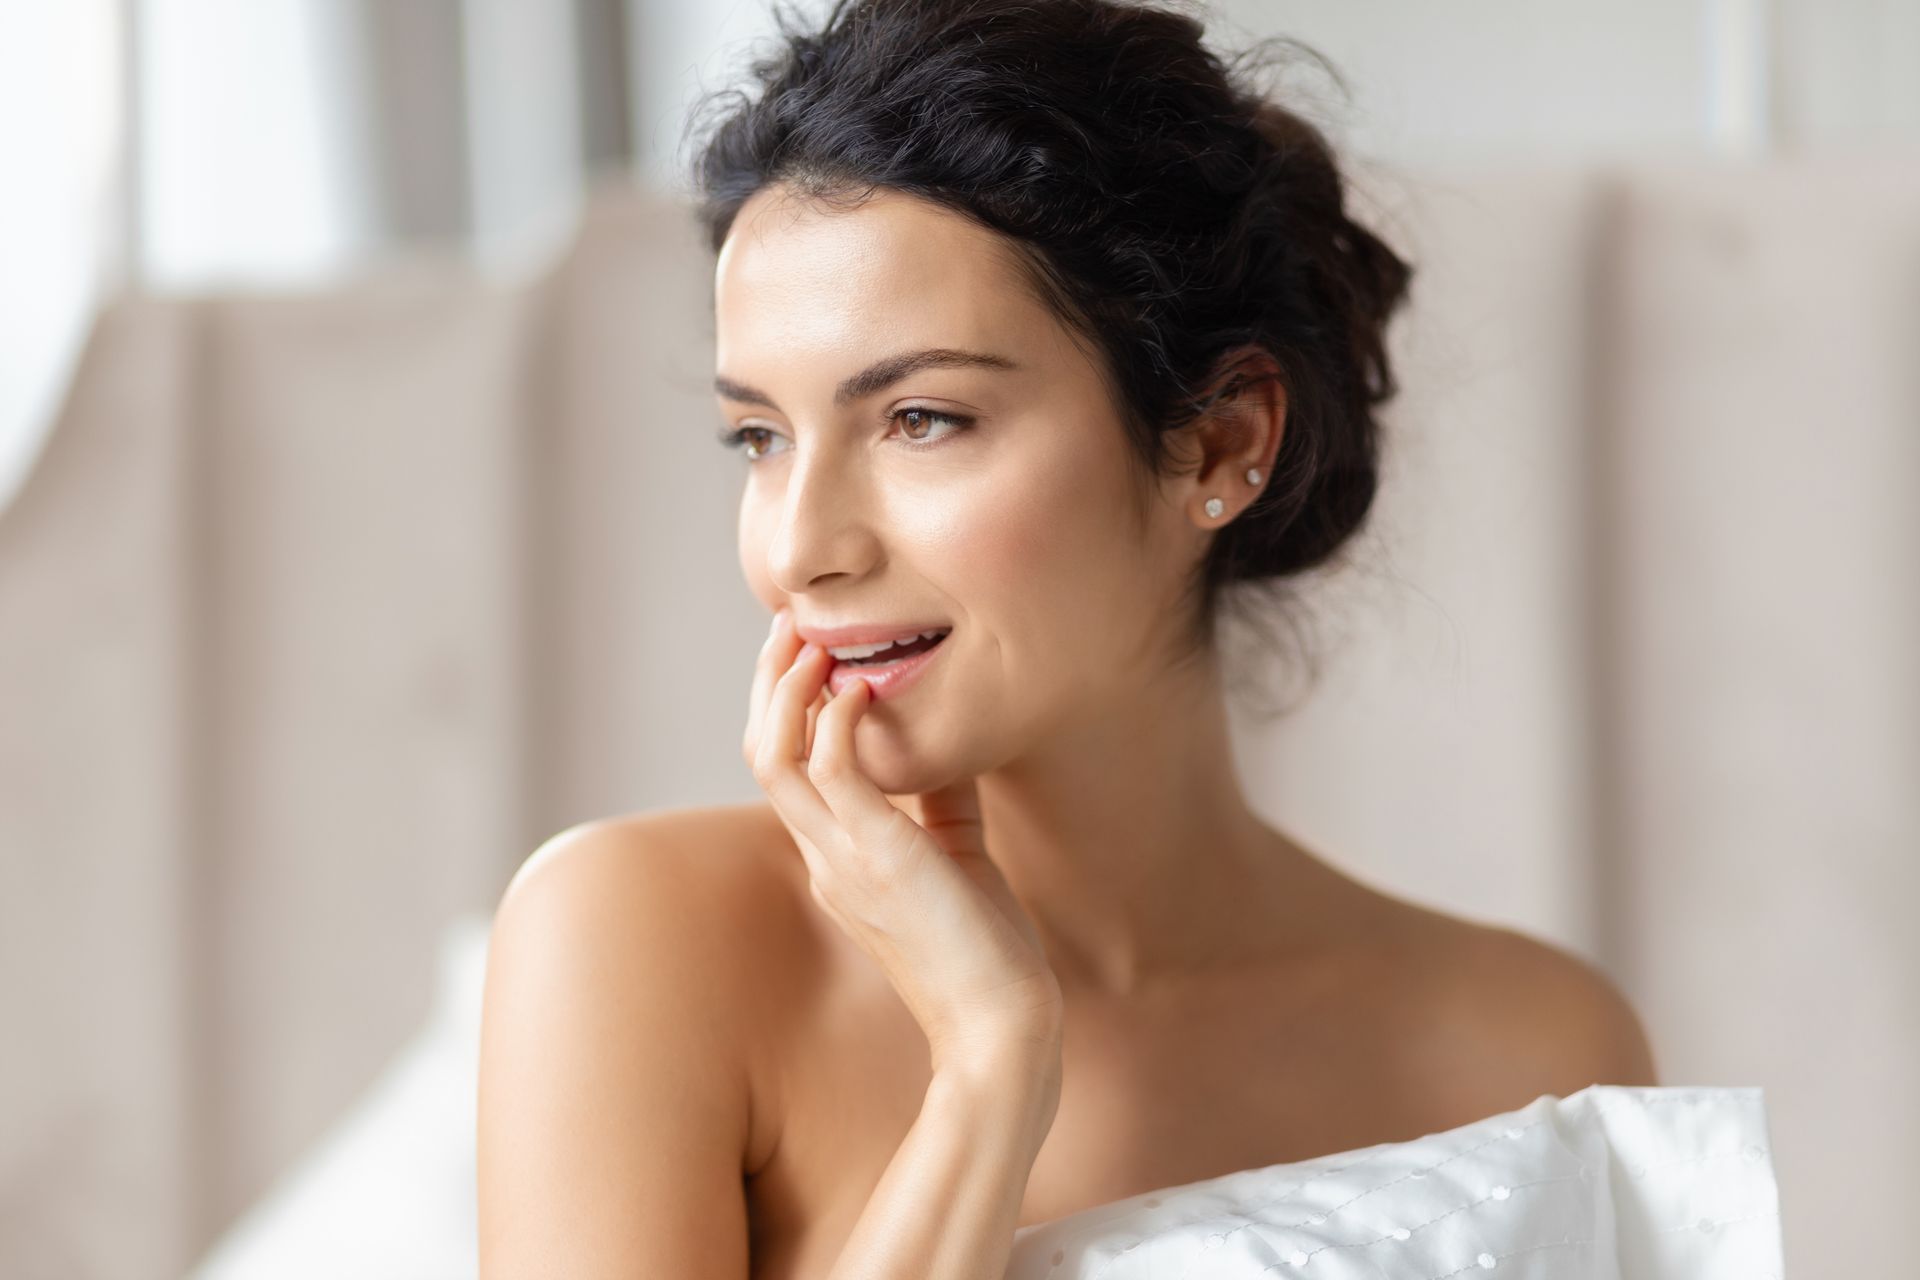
pixel 763 766
pixel 881 871
pixel 828 883
pixel 823 765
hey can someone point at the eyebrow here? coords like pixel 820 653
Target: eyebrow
pixel 877 376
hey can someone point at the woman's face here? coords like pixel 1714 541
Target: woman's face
pixel 1007 522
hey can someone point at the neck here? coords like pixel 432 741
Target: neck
pixel 1127 839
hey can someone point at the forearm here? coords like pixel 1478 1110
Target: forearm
pixel 946 1206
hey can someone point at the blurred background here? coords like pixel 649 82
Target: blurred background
pixel 360 529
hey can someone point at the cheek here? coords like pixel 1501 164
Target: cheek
pixel 978 535
pixel 1044 560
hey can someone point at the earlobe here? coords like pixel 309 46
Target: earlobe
pixel 1216 507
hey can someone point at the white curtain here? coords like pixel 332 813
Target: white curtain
pixel 184 145
pixel 62 100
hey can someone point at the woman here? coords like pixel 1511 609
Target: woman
pixel 1045 340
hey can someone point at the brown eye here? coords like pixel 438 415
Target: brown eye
pixel 927 416
pixel 748 441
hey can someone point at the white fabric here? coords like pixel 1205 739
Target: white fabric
pixel 1609 1183
pixel 389 1193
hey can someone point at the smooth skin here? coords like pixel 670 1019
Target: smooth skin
pixel 844 1032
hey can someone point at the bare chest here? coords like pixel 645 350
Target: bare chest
pixel 1157 1092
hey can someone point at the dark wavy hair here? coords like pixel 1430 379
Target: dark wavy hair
pixel 1167 212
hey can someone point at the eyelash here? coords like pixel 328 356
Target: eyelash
pixel 737 439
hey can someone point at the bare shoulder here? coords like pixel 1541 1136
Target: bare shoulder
pixel 1500 1017
pixel 704 888
pixel 619 1108
pixel 696 871
pixel 725 875
pixel 716 848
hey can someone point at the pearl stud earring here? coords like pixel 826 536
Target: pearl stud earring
pixel 1253 475
pixel 1215 506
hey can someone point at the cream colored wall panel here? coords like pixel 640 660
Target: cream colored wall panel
pixel 361 529
pixel 99 1009
pixel 1764 436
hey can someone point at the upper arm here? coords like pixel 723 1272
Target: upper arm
pixel 613 1098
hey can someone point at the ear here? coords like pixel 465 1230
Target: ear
pixel 1243 415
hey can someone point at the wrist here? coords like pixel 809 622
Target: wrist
pixel 1016 1077
pixel 1005 1047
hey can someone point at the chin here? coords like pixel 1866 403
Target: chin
pixel 896 767
pixel 900 775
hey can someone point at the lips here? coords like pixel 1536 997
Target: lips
pixel 889 679
pixel 899 649
pixel 865 633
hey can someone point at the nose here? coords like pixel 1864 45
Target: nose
pixel 822 531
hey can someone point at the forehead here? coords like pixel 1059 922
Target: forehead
pixel 894 271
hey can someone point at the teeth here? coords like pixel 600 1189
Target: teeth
pixel 851 651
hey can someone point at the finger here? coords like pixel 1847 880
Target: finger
pixel 781 752
pixel 776 655
pixel 875 827
pixel 814 708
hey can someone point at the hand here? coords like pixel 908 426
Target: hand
pixel 925 901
